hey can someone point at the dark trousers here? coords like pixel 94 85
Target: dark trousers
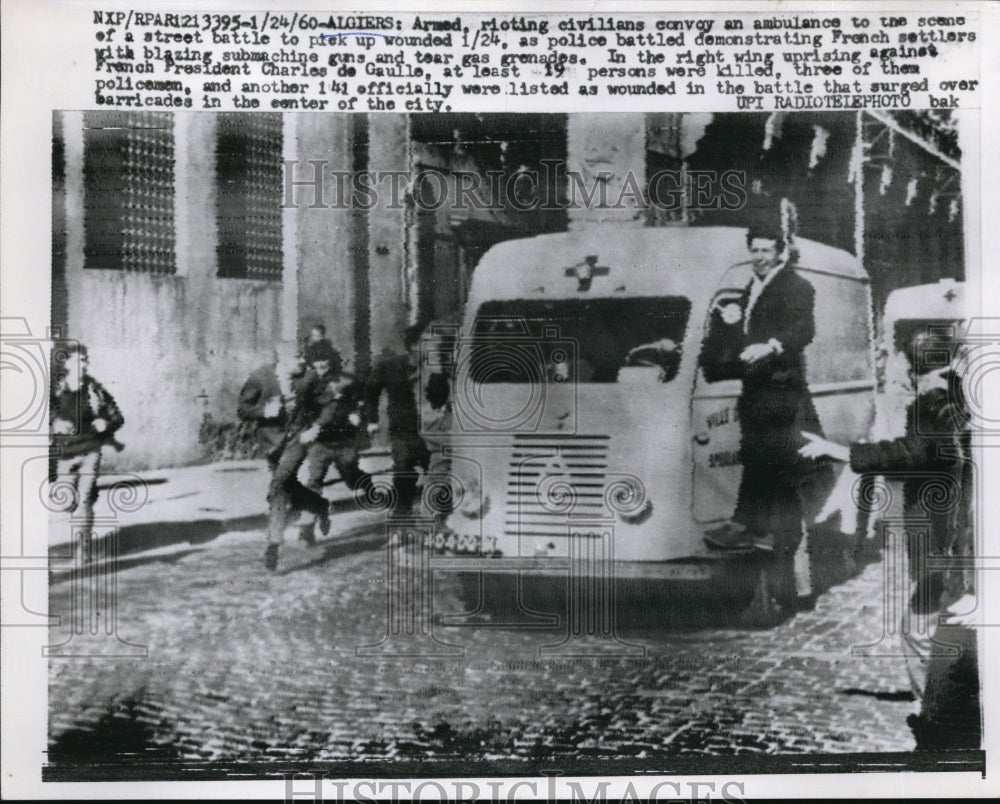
pixel 772 416
pixel 769 502
pixel 286 496
pixel 408 452
pixel 344 457
pixel 950 712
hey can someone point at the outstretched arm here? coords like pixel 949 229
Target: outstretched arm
pixel 907 452
pixel 817 447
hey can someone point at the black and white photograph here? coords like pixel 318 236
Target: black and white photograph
pixel 582 404
pixel 439 443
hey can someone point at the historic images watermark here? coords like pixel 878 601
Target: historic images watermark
pixel 551 187
pixel 317 788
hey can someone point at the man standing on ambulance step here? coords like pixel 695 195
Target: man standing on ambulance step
pixel 763 346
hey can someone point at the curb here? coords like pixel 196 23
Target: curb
pixel 362 536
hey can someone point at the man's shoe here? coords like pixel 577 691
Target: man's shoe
pixel 921 732
pixel 307 534
pixel 763 614
pixel 728 537
pixel 324 521
pixel 805 603
pixel 764 542
pixel 271 558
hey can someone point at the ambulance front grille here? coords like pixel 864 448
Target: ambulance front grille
pixel 553 479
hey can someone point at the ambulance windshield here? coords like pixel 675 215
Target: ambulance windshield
pixel 578 340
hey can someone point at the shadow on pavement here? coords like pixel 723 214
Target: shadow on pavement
pixel 57 576
pixel 649 606
pixel 154 535
pixel 348 542
pixel 119 739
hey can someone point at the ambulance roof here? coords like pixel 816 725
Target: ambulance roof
pixel 685 261
pixel 943 300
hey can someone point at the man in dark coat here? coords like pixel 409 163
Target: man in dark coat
pixel 762 343
pixel 83 420
pixel 935 459
pixel 395 373
pixel 265 401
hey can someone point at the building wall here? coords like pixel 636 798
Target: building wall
pixel 172 349
pixel 607 149
pixel 329 235
pixel 389 237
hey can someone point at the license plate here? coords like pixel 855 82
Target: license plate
pixel 443 542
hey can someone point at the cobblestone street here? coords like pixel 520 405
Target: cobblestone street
pixel 246 666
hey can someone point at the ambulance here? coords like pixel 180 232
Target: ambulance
pixel 582 425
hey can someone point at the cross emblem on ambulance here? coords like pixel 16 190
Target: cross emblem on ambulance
pixel 586 271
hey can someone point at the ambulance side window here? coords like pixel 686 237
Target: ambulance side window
pixel 723 341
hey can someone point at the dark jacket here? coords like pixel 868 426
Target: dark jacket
pixel 934 438
pixel 81 407
pixel 784 312
pixel 336 427
pixel 934 457
pixel 311 398
pixel 262 386
pixel 319 403
pixel 393 373
pixel 774 406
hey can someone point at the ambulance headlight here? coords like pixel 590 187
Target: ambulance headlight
pixel 466 490
pixel 625 495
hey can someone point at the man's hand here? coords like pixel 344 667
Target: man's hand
pixel 821 448
pixel 841 501
pixel 373 428
pixel 272 409
pixel 964 612
pixel 755 352
pixel 100 425
pixel 309 435
pixel 354 419
pixel 63 427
